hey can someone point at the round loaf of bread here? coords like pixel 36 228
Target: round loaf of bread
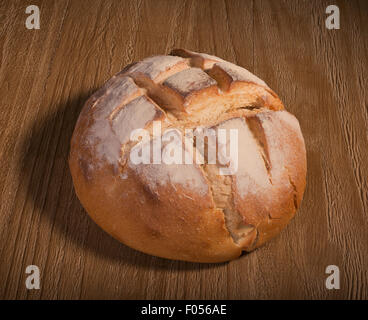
pixel 180 203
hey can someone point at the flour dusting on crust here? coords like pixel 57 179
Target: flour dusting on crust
pixel 152 67
pixel 135 115
pixel 251 175
pixel 118 91
pixel 157 177
pixel 240 74
pixel 189 80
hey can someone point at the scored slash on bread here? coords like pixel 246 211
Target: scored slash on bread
pixel 188 212
pixel 182 83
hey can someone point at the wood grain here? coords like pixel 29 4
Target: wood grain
pixel 47 74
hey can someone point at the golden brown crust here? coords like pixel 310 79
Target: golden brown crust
pixel 188 212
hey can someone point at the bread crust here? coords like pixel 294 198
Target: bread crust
pixel 188 212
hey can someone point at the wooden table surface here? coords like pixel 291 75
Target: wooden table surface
pixel 47 74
